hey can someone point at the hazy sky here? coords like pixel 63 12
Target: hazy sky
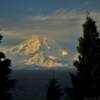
pixel 58 20
pixel 51 17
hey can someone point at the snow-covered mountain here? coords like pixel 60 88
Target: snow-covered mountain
pixel 37 51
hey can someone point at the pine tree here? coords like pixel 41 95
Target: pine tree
pixel 69 91
pixel 54 91
pixel 87 82
pixel 5 82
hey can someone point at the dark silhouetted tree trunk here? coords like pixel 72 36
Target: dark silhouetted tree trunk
pixel 5 82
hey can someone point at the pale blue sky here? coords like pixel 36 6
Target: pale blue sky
pixel 20 8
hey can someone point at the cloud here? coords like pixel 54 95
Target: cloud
pixel 61 23
pixel 76 57
pixel 61 27
pixel 86 2
pixel 64 52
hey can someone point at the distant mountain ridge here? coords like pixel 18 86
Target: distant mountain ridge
pixel 37 51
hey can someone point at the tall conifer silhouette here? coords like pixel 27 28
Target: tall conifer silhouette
pixel 87 82
pixel 5 82
pixel 54 91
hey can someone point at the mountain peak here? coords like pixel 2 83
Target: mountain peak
pixel 36 51
pixel 31 45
